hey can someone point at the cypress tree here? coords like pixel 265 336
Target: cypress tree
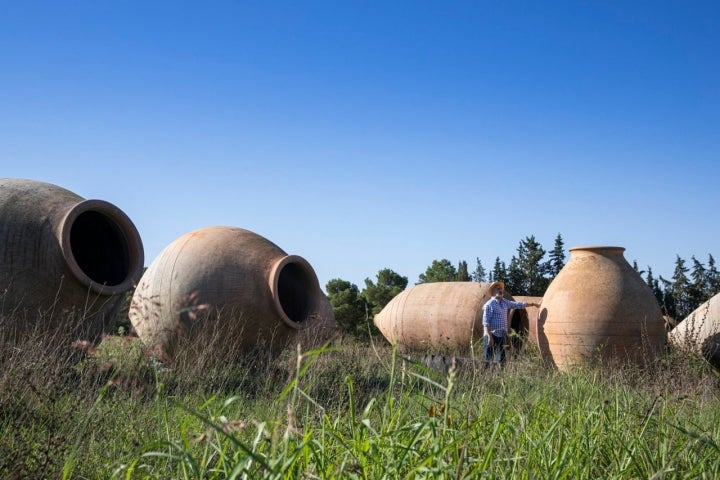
pixel 499 272
pixel 462 272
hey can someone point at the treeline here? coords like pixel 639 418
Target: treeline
pixel 529 272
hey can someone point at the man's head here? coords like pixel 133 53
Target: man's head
pixel 497 289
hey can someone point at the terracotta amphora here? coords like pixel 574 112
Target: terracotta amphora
pixel 63 258
pixel 229 289
pixel 598 307
pixel 444 317
pixel 699 332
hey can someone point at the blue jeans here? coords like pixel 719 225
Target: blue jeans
pixel 496 351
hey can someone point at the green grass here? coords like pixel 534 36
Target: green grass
pixel 347 410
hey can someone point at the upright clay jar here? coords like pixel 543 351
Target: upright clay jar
pixel 598 307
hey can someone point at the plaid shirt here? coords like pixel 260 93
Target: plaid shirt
pixel 495 315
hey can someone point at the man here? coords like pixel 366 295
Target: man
pixel 495 324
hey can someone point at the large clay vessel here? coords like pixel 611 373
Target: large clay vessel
pixel 60 253
pixel 231 285
pixel 443 317
pixel 598 307
pixel 529 322
pixel 700 331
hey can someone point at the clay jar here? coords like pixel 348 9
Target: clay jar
pixel 226 289
pixel 529 321
pixel 444 317
pixel 599 307
pixel 700 331
pixel 62 254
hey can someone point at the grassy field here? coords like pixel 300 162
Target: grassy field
pixel 346 410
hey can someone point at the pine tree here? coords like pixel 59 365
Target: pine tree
pixel 499 272
pixel 698 288
pixel 681 290
pixel 654 285
pixel 557 258
pixel 533 270
pixel 516 283
pixel 712 278
pixel 479 273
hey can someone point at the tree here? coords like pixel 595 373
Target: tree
pixel 668 303
pixel 654 285
pixel 479 273
pixel 698 288
pixel 462 272
pixel 712 277
pixel 439 271
pixel 515 282
pixel 379 294
pixel 636 268
pixel 680 289
pixel 348 306
pixel 531 268
pixel 557 258
pixel 499 272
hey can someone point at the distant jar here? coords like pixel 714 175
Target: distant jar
pixel 440 317
pixel 599 308
pixel 699 332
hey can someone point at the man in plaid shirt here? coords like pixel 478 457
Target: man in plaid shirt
pixel 495 325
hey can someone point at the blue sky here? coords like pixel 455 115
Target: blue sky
pixel 365 135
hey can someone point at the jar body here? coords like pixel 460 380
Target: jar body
pixel 228 287
pixel 599 307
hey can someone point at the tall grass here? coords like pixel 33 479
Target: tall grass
pixel 346 410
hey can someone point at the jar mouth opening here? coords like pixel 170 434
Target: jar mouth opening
pixel 296 292
pixel 102 247
pixel 598 248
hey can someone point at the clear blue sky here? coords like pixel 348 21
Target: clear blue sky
pixel 365 135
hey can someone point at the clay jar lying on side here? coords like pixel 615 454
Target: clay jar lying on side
pixel 227 289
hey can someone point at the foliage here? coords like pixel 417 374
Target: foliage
pixel 462 272
pixel 479 275
pixel 683 294
pixel 712 278
pixel 439 271
pixel 499 271
pixel 677 298
pixel 379 294
pixel 533 271
pixel 654 285
pixel 528 273
pixel 348 306
pixel 557 257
